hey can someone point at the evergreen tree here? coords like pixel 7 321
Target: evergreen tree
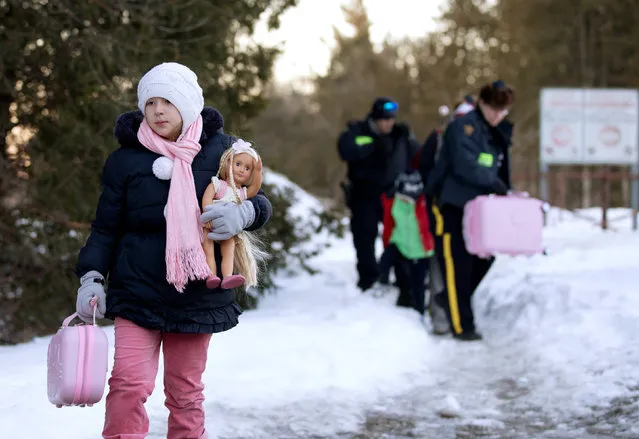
pixel 67 69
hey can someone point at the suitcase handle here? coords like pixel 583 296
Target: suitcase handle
pixel 93 302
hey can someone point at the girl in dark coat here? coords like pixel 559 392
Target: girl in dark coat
pixel 146 238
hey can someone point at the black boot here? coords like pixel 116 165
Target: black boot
pixel 405 298
pixel 367 284
pixel 468 336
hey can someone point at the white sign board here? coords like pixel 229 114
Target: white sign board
pixel 561 125
pixel 611 130
pixel 589 126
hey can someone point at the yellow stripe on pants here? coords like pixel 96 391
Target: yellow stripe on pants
pixel 439 220
pixel 451 286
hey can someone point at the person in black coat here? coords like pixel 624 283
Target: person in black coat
pixel 376 150
pixel 433 143
pixel 128 250
pixel 428 157
pixel 474 160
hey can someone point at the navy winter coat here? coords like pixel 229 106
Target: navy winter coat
pixel 128 237
pixel 474 160
pixel 374 161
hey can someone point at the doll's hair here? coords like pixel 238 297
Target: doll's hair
pixel 249 257
pixel 249 250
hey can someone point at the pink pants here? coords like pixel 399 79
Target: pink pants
pixel 137 352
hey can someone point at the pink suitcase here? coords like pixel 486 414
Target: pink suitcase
pixel 511 225
pixel 77 362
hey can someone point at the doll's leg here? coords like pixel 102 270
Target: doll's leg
pixel 213 281
pixel 227 248
pixel 209 250
pixel 229 280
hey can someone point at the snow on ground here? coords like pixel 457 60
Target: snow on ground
pixel 318 359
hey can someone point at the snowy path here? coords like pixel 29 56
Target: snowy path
pixel 560 358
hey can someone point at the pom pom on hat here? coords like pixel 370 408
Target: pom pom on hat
pixel 177 84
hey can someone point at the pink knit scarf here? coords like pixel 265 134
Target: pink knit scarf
pixel 185 258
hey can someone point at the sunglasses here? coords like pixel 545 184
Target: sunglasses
pixel 390 106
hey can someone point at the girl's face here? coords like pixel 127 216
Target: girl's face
pixel 163 118
pixel 242 164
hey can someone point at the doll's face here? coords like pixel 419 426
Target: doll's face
pixel 242 168
pixel 163 118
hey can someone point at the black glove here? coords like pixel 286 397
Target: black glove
pixel 500 188
pixel 347 189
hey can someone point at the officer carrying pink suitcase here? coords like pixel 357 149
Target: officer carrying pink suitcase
pixel 510 225
pixel 77 362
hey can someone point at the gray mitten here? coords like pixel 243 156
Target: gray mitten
pixel 228 219
pixel 92 285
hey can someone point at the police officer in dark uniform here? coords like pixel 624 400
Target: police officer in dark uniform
pixel 474 160
pixel 376 150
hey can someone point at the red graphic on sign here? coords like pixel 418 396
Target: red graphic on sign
pixel 610 136
pixel 561 135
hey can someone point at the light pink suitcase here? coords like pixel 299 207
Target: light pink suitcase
pixel 511 225
pixel 77 362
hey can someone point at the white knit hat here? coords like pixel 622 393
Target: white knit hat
pixel 176 83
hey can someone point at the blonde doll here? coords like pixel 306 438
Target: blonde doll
pixel 238 178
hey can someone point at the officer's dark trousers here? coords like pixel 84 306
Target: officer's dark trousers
pixel 366 214
pixel 462 271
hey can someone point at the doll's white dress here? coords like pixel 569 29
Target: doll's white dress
pixel 223 191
